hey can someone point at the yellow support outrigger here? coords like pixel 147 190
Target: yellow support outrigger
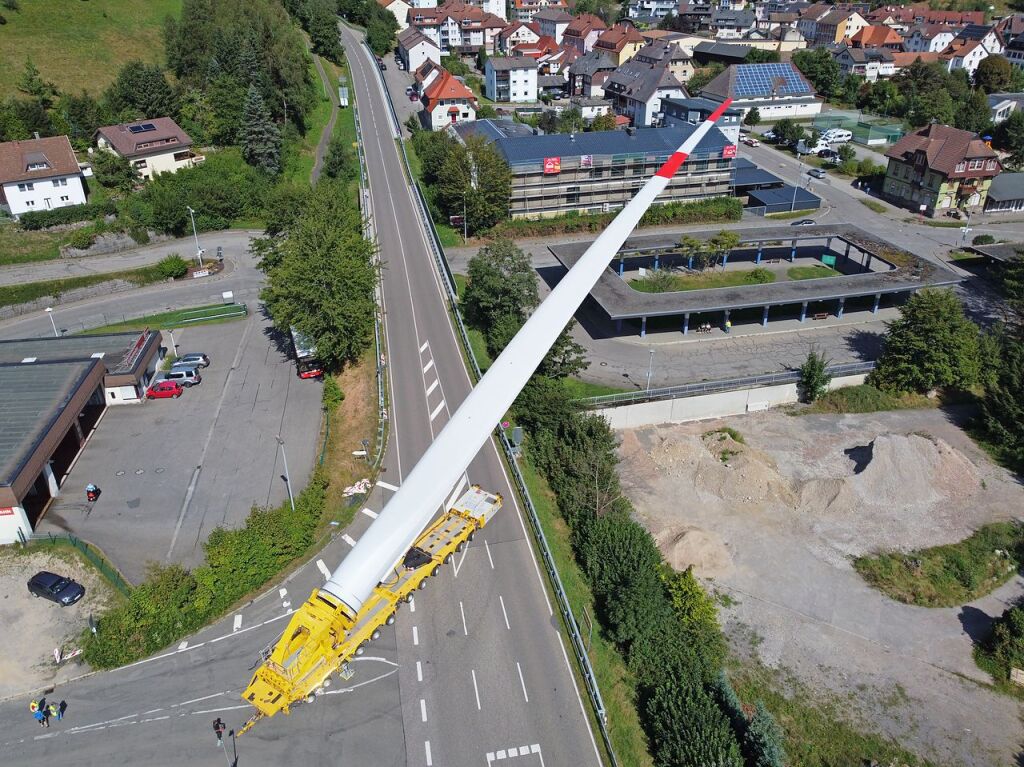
pixel 323 635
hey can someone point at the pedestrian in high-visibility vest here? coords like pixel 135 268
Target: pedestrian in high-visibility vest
pixel 53 710
pixel 33 706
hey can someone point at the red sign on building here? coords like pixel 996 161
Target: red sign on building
pixel 552 165
pixel 729 151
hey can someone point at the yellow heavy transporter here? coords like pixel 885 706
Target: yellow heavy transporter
pixel 323 635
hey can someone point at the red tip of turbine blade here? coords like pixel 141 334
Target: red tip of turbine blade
pixel 668 170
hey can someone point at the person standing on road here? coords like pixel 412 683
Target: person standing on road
pixel 218 728
pixel 53 710
pixel 40 717
pixel 61 709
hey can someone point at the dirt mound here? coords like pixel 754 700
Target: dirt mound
pixel 686 546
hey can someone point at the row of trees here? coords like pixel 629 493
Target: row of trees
pixel 663 622
pixel 569 121
pixel 380 24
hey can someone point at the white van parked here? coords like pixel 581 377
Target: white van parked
pixel 804 148
pixel 837 136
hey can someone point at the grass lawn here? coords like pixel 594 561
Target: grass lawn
pixel 81 45
pixel 579 389
pixel 865 398
pixel 788 214
pixel 811 272
pixel 963 255
pixel 299 156
pixel 476 337
pixel 951 575
pixel 21 247
pixel 937 224
pixel 175 319
pixel 816 734
pixel 618 688
pixel 874 205
pixel 712 279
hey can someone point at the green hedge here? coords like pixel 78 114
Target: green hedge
pixel 663 621
pixel 173 602
pixel 43 219
pixel 712 211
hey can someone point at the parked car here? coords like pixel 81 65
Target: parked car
pixel 408 90
pixel 803 222
pixel 186 376
pixel 751 141
pixel 413 97
pixel 828 153
pixel 192 360
pixel 56 588
pixel 816 173
pixel 837 136
pixel 164 390
pixel 769 135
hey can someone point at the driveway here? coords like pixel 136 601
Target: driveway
pixel 172 470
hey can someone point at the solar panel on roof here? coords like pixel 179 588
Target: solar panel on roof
pixel 144 128
pixel 766 79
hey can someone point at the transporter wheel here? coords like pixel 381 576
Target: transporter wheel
pixel 375 635
pixel 361 649
pixel 448 559
pixel 471 535
pixel 423 585
pixel 460 546
pixel 436 570
pixel 390 620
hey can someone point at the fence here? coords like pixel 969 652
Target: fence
pixel 104 319
pixel 441 260
pixel 106 569
pixel 710 387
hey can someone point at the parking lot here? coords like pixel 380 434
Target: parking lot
pixel 171 470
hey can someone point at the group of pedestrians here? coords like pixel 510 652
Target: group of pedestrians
pixel 704 327
pixel 42 711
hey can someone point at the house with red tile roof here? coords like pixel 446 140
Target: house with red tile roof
pixel 151 146
pixel 39 174
pixel 938 168
pixel 457 27
pixel 517 33
pixel 620 43
pixel 447 101
pixel 876 36
pixel 583 32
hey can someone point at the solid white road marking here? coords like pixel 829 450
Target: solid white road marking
pixel 579 697
pixel 183 645
pixel 458 565
pixel 415 635
pixel 423 710
pixel 386 486
pixel 238 623
pixel 430 389
pixel 488 547
pixel 426 747
pixel 324 569
pixel 419 672
pixel 412 605
pixel 476 690
pixel 463 613
pixel 456 492
pixel 370 513
pixel 424 347
pixel 502 601
pixel 437 411
pixel 522 681
pixel 430 364
pixel 348 539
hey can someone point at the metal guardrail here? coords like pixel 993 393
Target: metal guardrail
pixel 106 569
pixel 565 608
pixel 710 387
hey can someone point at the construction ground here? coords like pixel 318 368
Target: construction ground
pixel 772 526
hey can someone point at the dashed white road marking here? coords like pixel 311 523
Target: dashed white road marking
pixel 238 623
pixel 502 601
pixel 187 702
pixel 522 681
pixel 419 671
pixel 514 751
pixel 458 565
pixel 424 347
pixel 387 486
pixel 183 645
pixel 430 389
pixel 415 635
pixel 430 364
pixel 463 613
pixel 487 546
pixel 426 748
pixel 370 513
pixel 412 605
pixel 476 690
pixel 437 411
pixel 423 710
pixel 348 539
pixel 324 569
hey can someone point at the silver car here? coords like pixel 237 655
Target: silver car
pixel 193 359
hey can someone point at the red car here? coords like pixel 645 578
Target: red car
pixel 164 390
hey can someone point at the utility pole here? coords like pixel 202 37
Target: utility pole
pixel 464 229
pixel 650 370
pixel 195 234
pixel 287 476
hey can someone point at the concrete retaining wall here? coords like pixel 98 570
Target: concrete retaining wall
pixel 715 405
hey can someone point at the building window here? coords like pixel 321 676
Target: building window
pixel 60 182
pixel 64 198
pixel 990 165
pixel 961 167
pixel 139 163
pixel 26 187
pixel 30 203
pixel 975 164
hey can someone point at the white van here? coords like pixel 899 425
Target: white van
pixel 838 136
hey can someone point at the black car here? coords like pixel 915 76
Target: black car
pixel 56 588
pixel 828 153
pixel 803 222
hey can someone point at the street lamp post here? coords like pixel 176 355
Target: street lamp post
pixel 966 229
pixel 650 370
pixel 49 313
pixel 799 171
pixel 287 476
pixel 195 234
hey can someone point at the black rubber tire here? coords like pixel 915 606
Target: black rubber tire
pixel 423 584
pixel 360 649
pixel 408 597
pixel 460 546
pixel 448 559
pixel 390 621
pixel 375 635
pixel 472 534
pixel 436 570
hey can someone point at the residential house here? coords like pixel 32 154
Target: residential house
pixel 966 55
pixel 583 32
pixel 1006 194
pixel 876 36
pixel 557 62
pixel 1011 27
pixel 552 22
pixel 650 11
pixel 1002 105
pixel 457 28
pixel 525 10
pixel 730 24
pixel 493 7
pixel 808 21
pixel 835 26
pixel 414 48
pixel 903 17
pixel 517 32
pixel 709 52
pixel 780 39
pixel 591 108
pixel 902 59
pixel 399 9
pixel 600 171
pixel 1014 52
pixel 511 79
pixel 696 110
pixel 39 174
pixel 620 43
pixel 987 35
pixel 636 90
pixel 670 55
pixel 555 86
pixel 939 168
pixel 447 101
pixel 422 3
pixel 151 146
pixel 870 63
pixel 776 90
pixel 929 38
pixel 425 74
pixel 588 73
pixel 695 15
